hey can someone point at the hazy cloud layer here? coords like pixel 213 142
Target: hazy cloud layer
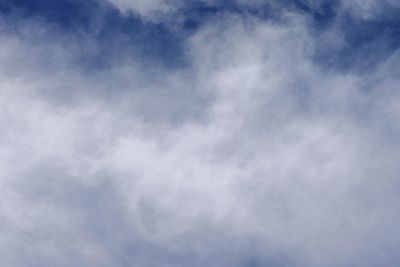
pixel 199 133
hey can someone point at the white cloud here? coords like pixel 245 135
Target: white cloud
pixel 147 9
pixel 282 166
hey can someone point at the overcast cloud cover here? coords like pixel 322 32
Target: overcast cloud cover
pixel 171 133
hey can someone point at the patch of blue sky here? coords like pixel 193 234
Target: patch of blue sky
pixel 367 42
pixel 117 36
pixel 126 36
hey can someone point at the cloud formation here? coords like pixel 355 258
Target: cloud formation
pixel 204 133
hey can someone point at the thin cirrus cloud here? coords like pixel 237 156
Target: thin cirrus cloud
pixel 199 133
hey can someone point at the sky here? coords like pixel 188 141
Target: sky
pixel 172 133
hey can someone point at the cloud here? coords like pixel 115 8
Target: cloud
pixel 257 151
pixel 148 9
pixel 371 9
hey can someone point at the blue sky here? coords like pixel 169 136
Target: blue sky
pixel 199 133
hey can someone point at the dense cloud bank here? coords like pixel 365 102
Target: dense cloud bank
pixel 199 133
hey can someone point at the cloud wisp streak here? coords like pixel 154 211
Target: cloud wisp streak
pixel 199 133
